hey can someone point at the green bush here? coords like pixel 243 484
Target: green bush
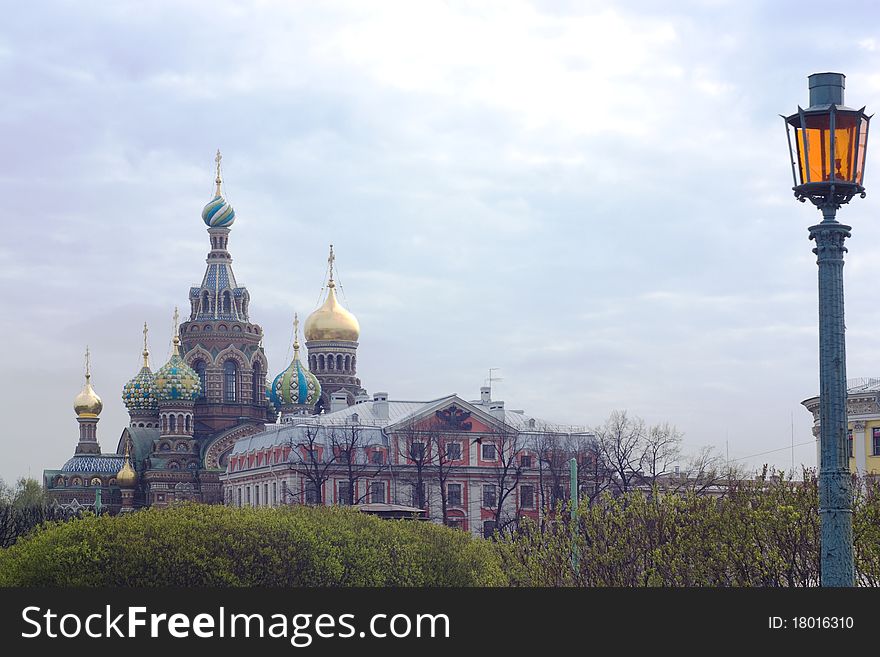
pixel 762 533
pixel 199 545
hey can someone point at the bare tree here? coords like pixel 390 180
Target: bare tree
pixel 507 471
pixel 621 448
pixel 661 449
pixel 419 451
pixel 350 443
pixel 311 457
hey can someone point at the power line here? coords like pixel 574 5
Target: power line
pixel 772 451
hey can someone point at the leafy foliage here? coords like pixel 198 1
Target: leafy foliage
pixel 761 533
pixel 198 545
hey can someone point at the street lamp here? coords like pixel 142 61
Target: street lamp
pixel 826 144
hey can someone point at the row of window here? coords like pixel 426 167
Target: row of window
pixel 875 442
pixel 377 494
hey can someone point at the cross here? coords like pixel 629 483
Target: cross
pixel 295 331
pixel 218 180
pixel 331 260
pixel 88 370
pixel 146 352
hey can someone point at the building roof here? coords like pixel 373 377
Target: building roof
pixel 94 463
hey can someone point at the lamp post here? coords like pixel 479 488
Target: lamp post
pixel 827 144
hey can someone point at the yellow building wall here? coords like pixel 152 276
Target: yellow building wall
pixel 872 463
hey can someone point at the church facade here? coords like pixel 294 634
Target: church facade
pixel 186 417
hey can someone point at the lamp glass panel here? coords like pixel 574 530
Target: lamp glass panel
pixel 814 144
pixel 846 128
pixel 859 169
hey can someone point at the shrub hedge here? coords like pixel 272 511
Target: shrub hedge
pixel 201 545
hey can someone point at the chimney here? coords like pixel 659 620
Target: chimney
pixel 485 394
pixel 380 405
pixel 496 408
pixel 826 88
pixel 361 397
pixel 338 401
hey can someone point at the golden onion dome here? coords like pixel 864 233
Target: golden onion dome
pixel 331 321
pixel 126 477
pixel 87 403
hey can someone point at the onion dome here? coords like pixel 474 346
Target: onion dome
pixel 331 321
pixel 138 394
pixel 87 403
pixel 126 477
pixel 218 213
pixel 295 385
pixel 175 380
pixel 270 395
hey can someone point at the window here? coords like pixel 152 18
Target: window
pixel 377 457
pixel 849 442
pixel 256 384
pixel 876 441
pixel 453 451
pixel 454 524
pixel 200 367
pixel 453 494
pixel 377 492
pixel 266 494
pixel 312 493
pixel 230 378
pixel 256 494
pixel 344 492
pixel 527 497
pixel 417 451
pixel 488 451
pixel 239 496
pixel 274 493
pixel 489 498
pixel 525 461
pixel 488 529
pixel 344 456
pixel 312 455
pixel 247 491
pixel 173 421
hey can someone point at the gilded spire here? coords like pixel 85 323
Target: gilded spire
pixel 295 334
pixel 87 403
pixel 146 351
pixel 330 261
pixel 218 180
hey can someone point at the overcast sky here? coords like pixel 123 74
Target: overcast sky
pixel 593 197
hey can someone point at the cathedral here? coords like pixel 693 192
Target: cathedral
pixel 186 417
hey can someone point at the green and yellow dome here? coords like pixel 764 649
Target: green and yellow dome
pixel 175 380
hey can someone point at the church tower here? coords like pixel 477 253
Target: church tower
pixel 332 334
pixel 221 344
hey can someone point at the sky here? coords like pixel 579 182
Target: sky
pixel 593 197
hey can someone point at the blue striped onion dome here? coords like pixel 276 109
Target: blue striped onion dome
pixel 295 385
pixel 176 380
pixel 218 213
pixel 138 394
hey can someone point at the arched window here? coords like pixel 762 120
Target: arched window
pixel 188 424
pixel 330 361
pixel 200 368
pixel 173 424
pixel 339 362
pixel 230 379
pixel 347 363
pixel 206 302
pixel 321 362
pixel 164 424
pixel 227 303
pixel 180 423
pixel 256 384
